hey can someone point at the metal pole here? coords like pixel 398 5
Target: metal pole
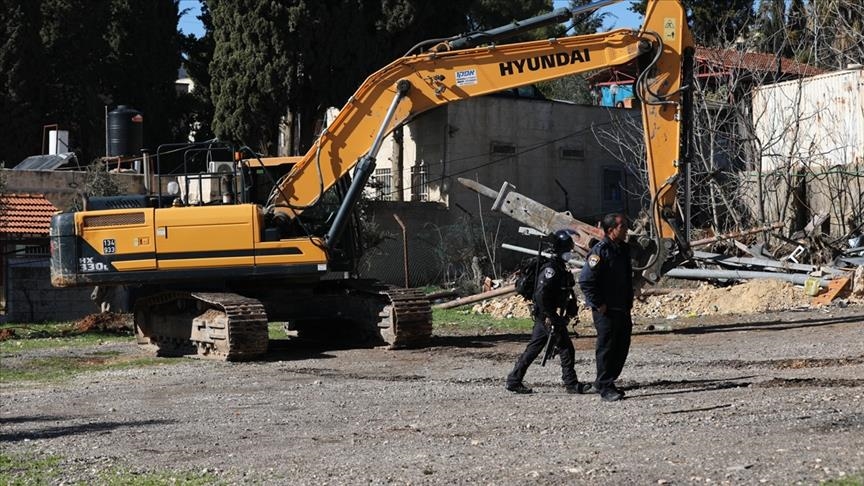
pixel 404 247
pixel 364 169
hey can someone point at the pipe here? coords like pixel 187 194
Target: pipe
pixel 704 273
pixel 760 262
pixel 555 17
pixel 508 289
pixel 364 170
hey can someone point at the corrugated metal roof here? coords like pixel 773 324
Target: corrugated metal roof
pixel 25 214
pixel 46 162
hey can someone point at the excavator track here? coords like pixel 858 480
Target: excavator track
pixel 221 326
pixel 406 322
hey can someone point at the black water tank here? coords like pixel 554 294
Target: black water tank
pixel 125 131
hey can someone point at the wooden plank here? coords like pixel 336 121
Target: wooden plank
pixel 830 293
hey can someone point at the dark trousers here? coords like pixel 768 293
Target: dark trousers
pixel 539 335
pixel 613 345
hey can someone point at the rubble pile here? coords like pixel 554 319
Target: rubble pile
pixel 750 297
pixel 505 307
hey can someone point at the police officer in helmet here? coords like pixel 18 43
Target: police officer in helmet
pixel 554 306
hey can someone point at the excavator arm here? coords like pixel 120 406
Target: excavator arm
pixel 451 72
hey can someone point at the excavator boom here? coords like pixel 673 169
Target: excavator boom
pixel 208 276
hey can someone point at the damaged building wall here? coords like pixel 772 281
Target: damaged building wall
pixel 798 195
pixel 552 154
pixel 811 138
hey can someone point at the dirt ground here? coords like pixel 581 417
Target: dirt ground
pixel 773 398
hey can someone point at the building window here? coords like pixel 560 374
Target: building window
pixel 31 250
pixel 419 183
pixel 573 153
pixel 383 184
pixel 613 183
pixel 499 148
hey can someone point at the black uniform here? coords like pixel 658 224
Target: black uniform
pixel 552 299
pixel 607 278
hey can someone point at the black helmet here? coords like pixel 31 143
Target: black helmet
pixel 562 242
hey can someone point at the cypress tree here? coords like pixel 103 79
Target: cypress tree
pixel 770 29
pixel 198 53
pixel 21 59
pixel 74 48
pixel 142 63
pixel 713 24
pixel 251 64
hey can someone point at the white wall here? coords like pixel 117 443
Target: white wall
pixel 816 121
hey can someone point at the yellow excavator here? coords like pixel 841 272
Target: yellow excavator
pixel 281 244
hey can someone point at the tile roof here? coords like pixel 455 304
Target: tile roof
pixel 755 62
pixel 25 214
pixel 718 62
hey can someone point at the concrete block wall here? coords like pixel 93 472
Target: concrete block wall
pixel 31 298
pixel 63 188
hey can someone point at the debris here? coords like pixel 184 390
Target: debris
pixel 717 238
pixel 747 298
pixel 107 322
pixel 6 334
pixel 834 289
pixel 858 283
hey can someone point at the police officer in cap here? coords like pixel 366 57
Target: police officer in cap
pixel 607 282
pixel 554 306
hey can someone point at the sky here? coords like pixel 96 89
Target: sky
pixel 618 16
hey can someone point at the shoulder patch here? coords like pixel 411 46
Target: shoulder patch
pixel 593 260
pixel 549 273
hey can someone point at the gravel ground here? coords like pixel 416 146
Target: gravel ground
pixel 774 398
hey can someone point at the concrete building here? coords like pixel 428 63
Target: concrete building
pixel 548 149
